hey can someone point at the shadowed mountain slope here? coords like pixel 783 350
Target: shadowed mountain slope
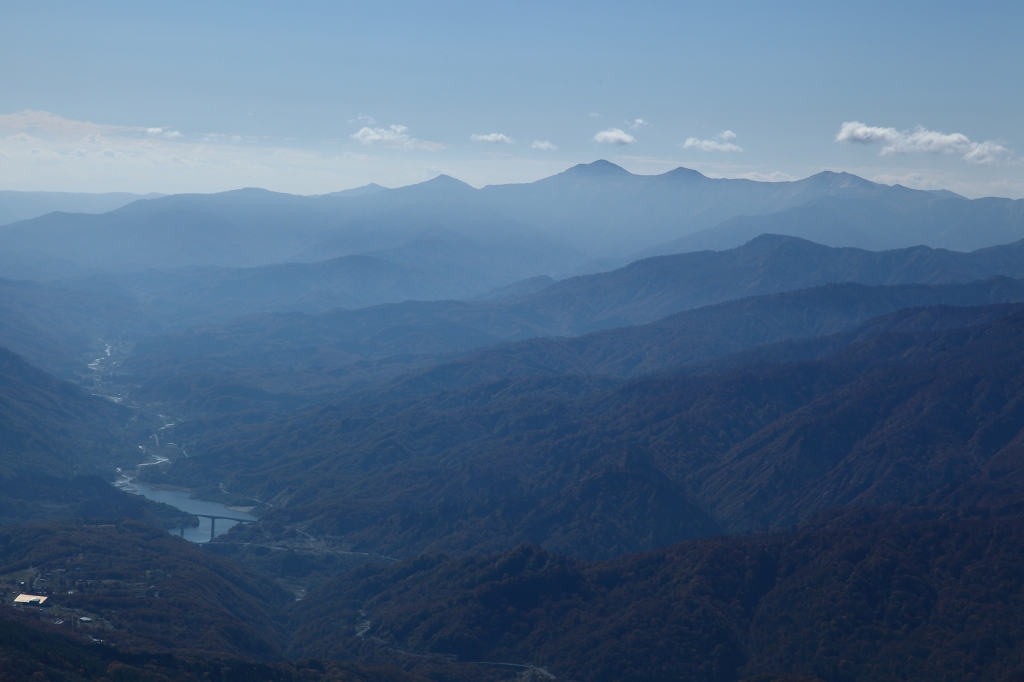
pixel 428 223
pixel 194 296
pixel 861 595
pixel 62 330
pixel 146 589
pixel 901 220
pixel 700 335
pixel 894 418
pixel 342 341
pixel 32 648
pixel 15 206
pixel 491 236
pixel 49 426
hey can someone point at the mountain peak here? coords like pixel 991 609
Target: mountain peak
pixel 371 188
pixel 445 181
pixel 682 173
pixel 599 168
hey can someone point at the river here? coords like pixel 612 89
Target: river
pixel 185 502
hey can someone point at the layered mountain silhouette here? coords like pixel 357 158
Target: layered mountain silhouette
pixel 500 234
pixel 61 330
pixel 50 426
pixel 15 206
pixel 596 427
pixel 926 413
pixel 864 595
pixel 301 353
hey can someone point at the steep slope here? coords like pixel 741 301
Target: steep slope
pixel 495 235
pixel 251 227
pixel 62 330
pixel 652 288
pixel 194 296
pixel 894 418
pixel 33 648
pixel 49 426
pixel 146 589
pixel 861 596
pixel 598 207
pixel 896 221
pixel 310 354
pixel 15 206
pixel 698 336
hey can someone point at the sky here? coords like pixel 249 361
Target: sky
pixel 315 97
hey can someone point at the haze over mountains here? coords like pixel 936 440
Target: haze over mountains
pixel 15 206
pixel 590 217
pixel 484 443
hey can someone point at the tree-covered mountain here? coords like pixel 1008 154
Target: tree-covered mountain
pixel 894 221
pixel 498 234
pixel 427 223
pixel 894 418
pixel 210 295
pixel 863 595
pixel 62 330
pixel 266 358
pixel 52 427
pixel 698 336
pixel 15 206
pixel 145 589
pixel 59 448
pixel 32 648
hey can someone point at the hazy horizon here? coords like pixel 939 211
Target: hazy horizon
pixel 157 194
pixel 324 97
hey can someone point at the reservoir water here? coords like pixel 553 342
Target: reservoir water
pixel 184 501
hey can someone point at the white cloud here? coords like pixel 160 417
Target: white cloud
pixel 912 180
pixel 352 156
pixel 45 122
pixel 44 155
pixel 154 131
pixel 777 176
pixel 727 135
pixel 921 140
pixel 614 136
pixel 638 124
pixel 22 137
pixel 491 137
pixel 171 134
pixel 220 137
pixel 364 119
pixel 94 138
pixel 713 145
pixel 392 136
pixel 543 145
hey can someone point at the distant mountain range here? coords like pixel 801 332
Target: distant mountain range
pixel 914 411
pixel 590 217
pixel 62 330
pixel 15 206
pixel 52 427
pixel 856 595
pixel 477 451
pixel 326 352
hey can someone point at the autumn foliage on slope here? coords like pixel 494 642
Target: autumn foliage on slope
pixel 915 595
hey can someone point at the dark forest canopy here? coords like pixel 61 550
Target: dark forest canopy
pixel 560 462
pixel 862 595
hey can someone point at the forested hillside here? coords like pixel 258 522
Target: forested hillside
pixel 285 362
pixel 142 588
pixel 648 463
pixel 917 595
pixel 49 426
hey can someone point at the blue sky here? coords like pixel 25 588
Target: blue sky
pixel 315 97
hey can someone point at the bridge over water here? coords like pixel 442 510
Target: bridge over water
pixel 213 522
